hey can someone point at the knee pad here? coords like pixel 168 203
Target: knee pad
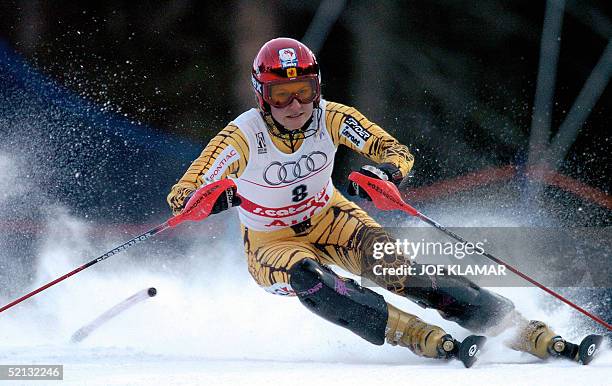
pixel 341 301
pixel 460 300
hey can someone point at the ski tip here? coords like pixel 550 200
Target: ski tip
pixel 469 349
pixel 589 347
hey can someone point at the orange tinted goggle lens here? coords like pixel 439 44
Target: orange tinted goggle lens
pixel 282 94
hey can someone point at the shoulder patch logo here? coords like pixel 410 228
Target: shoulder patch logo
pixel 261 143
pixel 354 132
pixel 287 57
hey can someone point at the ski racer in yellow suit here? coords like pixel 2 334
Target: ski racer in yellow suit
pixel 295 223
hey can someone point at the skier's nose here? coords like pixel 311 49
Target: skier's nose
pixel 294 105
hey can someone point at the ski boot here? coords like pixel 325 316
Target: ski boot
pixel 428 340
pixel 582 353
pixel 537 339
pixel 367 314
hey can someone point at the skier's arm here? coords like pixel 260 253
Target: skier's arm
pixel 225 155
pixel 350 128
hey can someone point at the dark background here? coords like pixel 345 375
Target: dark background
pixel 454 80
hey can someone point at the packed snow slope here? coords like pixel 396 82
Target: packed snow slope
pixel 211 324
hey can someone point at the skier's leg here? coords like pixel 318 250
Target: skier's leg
pixel 478 309
pixel 460 300
pixel 538 339
pixel 364 312
pixel 271 254
pixel 287 264
pixel 347 234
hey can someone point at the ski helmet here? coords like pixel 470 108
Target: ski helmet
pixel 284 60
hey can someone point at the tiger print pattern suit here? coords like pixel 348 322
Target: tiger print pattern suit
pixel 341 235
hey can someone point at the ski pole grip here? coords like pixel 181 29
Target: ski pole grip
pixel 201 203
pixel 384 194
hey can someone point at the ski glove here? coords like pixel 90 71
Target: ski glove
pixel 225 201
pixel 385 172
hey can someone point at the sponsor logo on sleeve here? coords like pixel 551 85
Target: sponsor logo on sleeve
pixel 354 132
pixel 223 161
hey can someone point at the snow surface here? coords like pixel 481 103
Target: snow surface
pixel 210 324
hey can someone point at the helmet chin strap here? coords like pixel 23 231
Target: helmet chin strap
pixel 276 129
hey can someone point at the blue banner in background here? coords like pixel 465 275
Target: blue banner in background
pixel 75 152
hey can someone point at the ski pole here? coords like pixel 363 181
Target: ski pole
pixel 197 209
pixel 386 196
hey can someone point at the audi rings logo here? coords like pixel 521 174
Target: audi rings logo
pixel 287 172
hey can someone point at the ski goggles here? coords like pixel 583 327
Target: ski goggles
pixel 281 94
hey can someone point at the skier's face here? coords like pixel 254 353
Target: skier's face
pixel 294 115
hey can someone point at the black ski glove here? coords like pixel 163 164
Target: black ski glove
pixel 386 172
pixel 226 200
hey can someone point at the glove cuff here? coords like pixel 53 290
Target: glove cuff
pixel 393 173
pixel 376 172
